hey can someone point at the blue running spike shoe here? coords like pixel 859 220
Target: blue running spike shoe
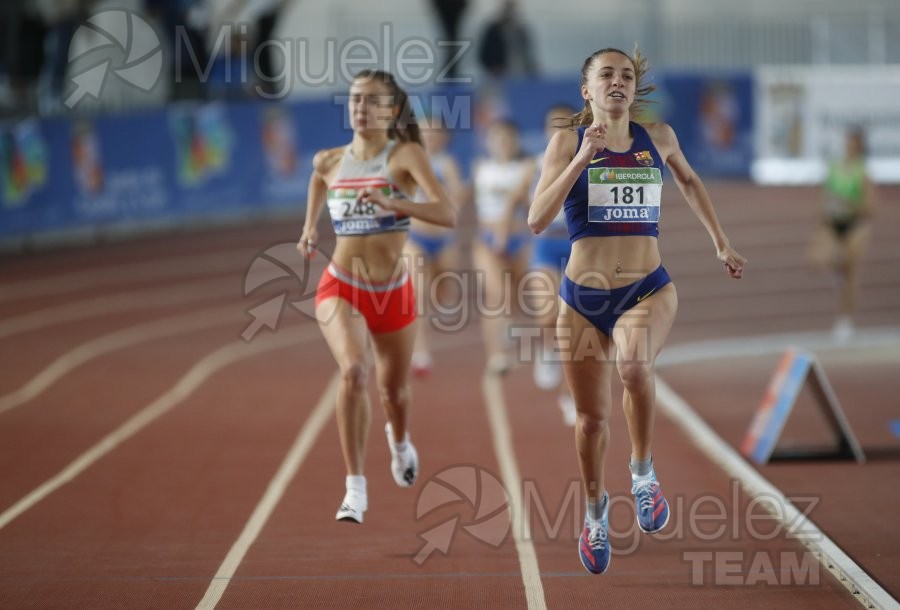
pixel 593 546
pixel 649 503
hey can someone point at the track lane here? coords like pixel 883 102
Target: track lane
pixel 646 568
pixel 149 522
pixel 303 557
pixel 863 379
pixel 739 205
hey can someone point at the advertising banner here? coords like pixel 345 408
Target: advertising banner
pixel 205 160
pixel 803 114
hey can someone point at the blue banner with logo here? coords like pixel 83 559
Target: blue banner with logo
pixel 193 161
pixel 185 162
pixel 712 115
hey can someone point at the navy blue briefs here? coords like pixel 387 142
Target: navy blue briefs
pixel 602 307
pixel 431 245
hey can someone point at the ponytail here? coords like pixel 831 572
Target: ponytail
pixel 585 117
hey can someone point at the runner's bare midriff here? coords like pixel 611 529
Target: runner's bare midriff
pixel 377 258
pixel 594 260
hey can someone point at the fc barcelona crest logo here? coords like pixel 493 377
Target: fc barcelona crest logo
pixel 644 158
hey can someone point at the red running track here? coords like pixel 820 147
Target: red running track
pixel 139 434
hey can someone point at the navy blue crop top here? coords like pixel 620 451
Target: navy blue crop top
pixel 617 193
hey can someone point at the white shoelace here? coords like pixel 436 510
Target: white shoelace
pixel 597 536
pixel 644 492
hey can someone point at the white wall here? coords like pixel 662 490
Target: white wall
pixel 674 33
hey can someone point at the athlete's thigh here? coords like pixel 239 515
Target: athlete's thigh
pixel 588 360
pixel 856 242
pixel 345 331
pixel 518 268
pixel 822 247
pixel 541 290
pixel 447 259
pixel 494 277
pixel 641 332
pixel 446 277
pixel 419 265
pixel 393 354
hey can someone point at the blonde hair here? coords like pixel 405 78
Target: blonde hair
pixel 641 91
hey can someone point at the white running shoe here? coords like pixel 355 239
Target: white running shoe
pixel 353 506
pixel 404 464
pixel 498 364
pixel 567 406
pixel 843 330
pixel 421 364
pixel 547 374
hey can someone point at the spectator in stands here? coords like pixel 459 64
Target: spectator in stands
pixel 450 13
pixel 184 24
pixel 25 30
pixel 505 49
pixel 61 18
pixel 247 51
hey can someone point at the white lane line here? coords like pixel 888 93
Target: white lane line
pixel 135 300
pixel 509 470
pixel 274 492
pixel 186 265
pixel 132 335
pixel 277 486
pixel 861 586
pixel 199 373
pixel 764 345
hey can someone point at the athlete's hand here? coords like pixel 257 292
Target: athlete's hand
pixel 733 262
pixel 376 196
pixel 308 242
pixel 594 141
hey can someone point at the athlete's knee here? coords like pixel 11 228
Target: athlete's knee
pixel 393 394
pixel 594 419
pixel 592 423
pixel 635 376
pixel 355 375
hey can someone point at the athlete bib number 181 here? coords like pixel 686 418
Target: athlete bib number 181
pixel 628 194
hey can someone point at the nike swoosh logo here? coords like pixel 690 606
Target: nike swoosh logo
pixel 646 295
pixel 598 160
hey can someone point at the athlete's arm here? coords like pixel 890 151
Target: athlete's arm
pixel 456 187
pixel 409 163
pixel 316 194
pixel 870 198
pixel 694 192
pixel 518 197
pixel 562 166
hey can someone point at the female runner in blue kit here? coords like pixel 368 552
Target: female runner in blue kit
pixel 606 171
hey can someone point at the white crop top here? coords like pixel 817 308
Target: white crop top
pixel 494 182
pixel 351 217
